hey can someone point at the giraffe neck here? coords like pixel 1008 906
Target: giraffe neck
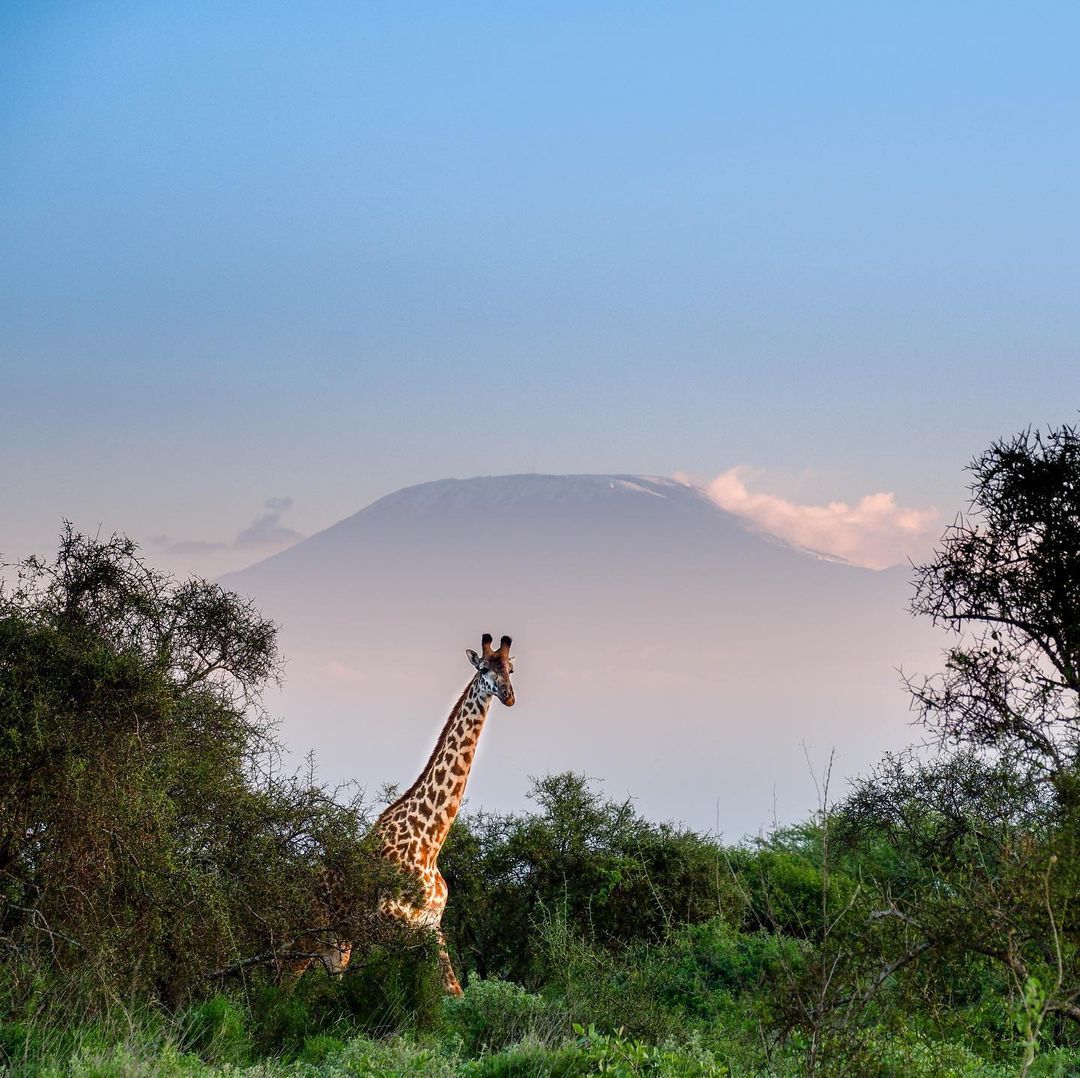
pixel 436 795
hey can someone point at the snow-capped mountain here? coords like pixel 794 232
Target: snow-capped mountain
pixel 661 645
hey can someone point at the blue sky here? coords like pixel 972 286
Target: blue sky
pixel 318 252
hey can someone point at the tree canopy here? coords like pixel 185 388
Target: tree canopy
pixel 1006 583
pixel 148 834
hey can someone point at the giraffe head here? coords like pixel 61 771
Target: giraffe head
pixel 494 668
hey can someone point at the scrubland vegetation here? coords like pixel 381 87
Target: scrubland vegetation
pixel 159 871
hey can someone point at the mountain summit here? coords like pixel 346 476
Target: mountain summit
pixel 661 644
pixel 532 490
pixel 566 501
pixel 594 515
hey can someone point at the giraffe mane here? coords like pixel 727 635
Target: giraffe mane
pixel 443 734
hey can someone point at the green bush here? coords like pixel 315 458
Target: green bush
pixel 616 878
pixel 147 837
pixel 598 987
pixel 320 1048
pixel 493 1014
pixel 911 1054
pixel 395 1058
pixel 282 1021
pixel 391 989
pixel 217 1030
pixel 706 968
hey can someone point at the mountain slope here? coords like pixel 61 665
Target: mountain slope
pixel 661 645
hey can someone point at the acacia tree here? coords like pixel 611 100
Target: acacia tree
pixel 1006 583
pixel 983 842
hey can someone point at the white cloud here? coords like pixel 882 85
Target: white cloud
pixel 875 532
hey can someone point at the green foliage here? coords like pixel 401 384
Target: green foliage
pixel 786 885
pixel 616 878
pixel 392 988
pixel 593 1052
pixel 147 837
pixel 493 1014
pixel 914 1055
pixel 18 1041
pixel 320 1048
pixel 396 1058
pixel 714 969
pixel 282 1020
pixel 216 1029
pixel 613 990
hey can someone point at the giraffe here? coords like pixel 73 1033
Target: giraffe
pixel 409 833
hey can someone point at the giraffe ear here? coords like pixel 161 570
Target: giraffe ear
pixel 473 657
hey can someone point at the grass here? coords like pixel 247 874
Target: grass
pixel 497 1030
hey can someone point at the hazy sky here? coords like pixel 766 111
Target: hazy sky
pixel 262 252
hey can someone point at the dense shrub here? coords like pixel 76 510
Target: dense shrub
pixel 711 969
pixel 147 836
pixel 391 988
pixel 216 1029
pixel 615 877
pixel 493 1014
